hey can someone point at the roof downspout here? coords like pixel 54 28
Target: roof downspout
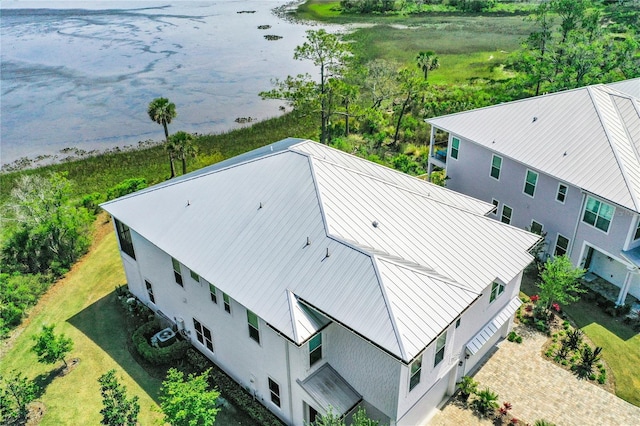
pixel 575 231
pixel 286 347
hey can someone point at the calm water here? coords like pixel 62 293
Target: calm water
pixel 81 74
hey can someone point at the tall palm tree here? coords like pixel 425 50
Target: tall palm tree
pixel 427 61
pixel 162 111
pixel 182 145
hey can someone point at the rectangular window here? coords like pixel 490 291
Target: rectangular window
pixel 254 326
pixel 507 212
pixel 124 236
pixel 598 214
pixel 440 347
pixel 495 203
pixel 203 334
pixel 227 302
pixel 416 368
pixel 536 227
pixel 315 349
pixel 177 273
pixel 458 323
pixel 496 290
pixel 150 291
pixel 194 276
pixel 274 389
pixel 562 245
pixel 530 182
pixel 214 293
pixel 496 164
pixel 455 148
pixel 562 193
pixel 637 234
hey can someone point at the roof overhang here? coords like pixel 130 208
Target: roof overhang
pixel 330 390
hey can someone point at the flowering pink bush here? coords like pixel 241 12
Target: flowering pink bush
pixel 514 421
pixel 535 298
pixel 556 307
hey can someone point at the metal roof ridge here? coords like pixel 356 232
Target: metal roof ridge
pixel 630 141
pixel 612 144
pixel 397 172
pixel 426 197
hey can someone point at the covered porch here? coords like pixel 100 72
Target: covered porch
pixel 616 277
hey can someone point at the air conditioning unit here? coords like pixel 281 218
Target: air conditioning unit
pixel 163 338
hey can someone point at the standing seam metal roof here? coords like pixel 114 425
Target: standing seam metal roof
pixel 245 227
pixel 565 135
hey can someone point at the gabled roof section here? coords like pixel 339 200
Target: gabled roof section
pixel 629 87
pixel 289 233
pixel 587 137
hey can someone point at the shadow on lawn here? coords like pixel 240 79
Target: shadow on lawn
pixel 105 323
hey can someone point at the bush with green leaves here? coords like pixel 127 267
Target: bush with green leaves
pixel 188 401
pixel 126 187
pixel 118 409
pixel 16 392
pixel 18 292
pixel 157 356
pixel 467 386
pixel 485 401
pixel 51 348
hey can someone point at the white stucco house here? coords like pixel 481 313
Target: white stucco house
pixel 567 164
pixel 318 279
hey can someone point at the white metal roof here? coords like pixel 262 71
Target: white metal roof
pixel 630 87
pixel 330 390
pixel 587 137
pixel 260 230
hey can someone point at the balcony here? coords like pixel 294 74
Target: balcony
pixel 439 158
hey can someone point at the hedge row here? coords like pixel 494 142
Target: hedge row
pixel 153 355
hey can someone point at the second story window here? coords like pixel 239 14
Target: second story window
pixel 598 214
pixel 194 276
pixel 214 293
pixel 150 291
pixel 254 326
pixel 496 290
pixel 530 181
pixel 562 245
pixel 496 165
pixel 507 212
pixel 315 349
pixel 124 236
pixel 536 227
pixel 562 193
pixel 416 369
pixel 455 148
pixel 177 273
pixel 227 302
pixel 441 344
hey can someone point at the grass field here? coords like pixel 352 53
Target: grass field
pixel 621 345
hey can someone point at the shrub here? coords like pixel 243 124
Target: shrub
pixel 92 202
pixel 157 356
pixel 485 401
pixel 125 187
pixel 512 336
pixel 467 386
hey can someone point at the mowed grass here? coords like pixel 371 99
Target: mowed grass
pixel 620 343
pixel 83 306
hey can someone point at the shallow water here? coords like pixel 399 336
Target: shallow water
pixel 81 74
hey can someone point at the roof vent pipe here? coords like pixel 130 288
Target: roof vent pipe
pixel 375 224
pixel 328 254
pixel 535 119
pixel 308 241
pixel 260 205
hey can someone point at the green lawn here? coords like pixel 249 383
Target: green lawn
pixel 621 345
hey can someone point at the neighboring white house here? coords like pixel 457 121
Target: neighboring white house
pixel 566 163
pixel 316 278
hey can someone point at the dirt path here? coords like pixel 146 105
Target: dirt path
pixel 102 228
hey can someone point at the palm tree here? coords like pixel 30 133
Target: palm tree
pixel 427 61
pixel 162 111
pixel 181 145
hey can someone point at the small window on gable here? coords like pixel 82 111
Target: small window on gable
pixel 496 290
pixel 458 323
pixel 124 236
pixel 194 276
pixel 416 369
pixel 315 349
pixel 562 193
pixel 496 165
pixel 441 343
pixel 530 181
pixel 227 302
pixel 150 291
pixel 214 293
pixel 254 326
pixel 274 390
pixel 598 214
pixel 562 245
pixel 455 148
pixel 177 273
pixel 636 236
pixel 507 212
pixel 536 227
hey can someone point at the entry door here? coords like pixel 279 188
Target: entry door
pixel 588 258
